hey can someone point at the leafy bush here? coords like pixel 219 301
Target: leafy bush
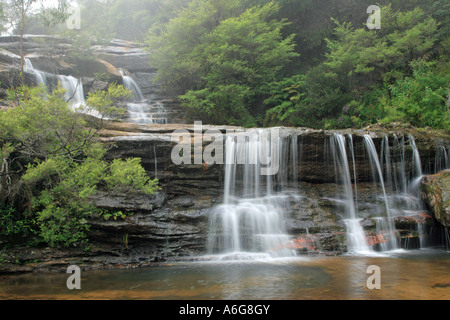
pixel 60 165
pixel 14 226
pixel 127 175
pixel 422 98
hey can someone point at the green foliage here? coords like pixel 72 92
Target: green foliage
pixel 105 101
pixel 14 226
pixel 221 57
pixel 233 61
pixel 422 98
pixel 56 131
pixel 61 207
pixel 127 175
pixel 360 58
pixel 369 76
pixel 218 103
pixel 285 94
pixel 115 215
pixel 60 167
pixel 228 62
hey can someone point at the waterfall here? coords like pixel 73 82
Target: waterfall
pixel 397 186
pixel 249 224
pixel 403 173
pixel 417 165
pixel 74 90
pixel 130 84
pixel 350 137
pixel 158 113
pixel 399 166
pixel 41 77
pixel 377 171
pixel 295 155
pixel 441 161
pixel 355 233
pixel 139 109
pixel 385 162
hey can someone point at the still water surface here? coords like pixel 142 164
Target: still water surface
pixel 405 275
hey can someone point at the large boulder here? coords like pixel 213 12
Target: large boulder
pixel 436 193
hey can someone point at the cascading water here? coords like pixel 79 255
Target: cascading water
pixel 417 167
pixel 130 84
pixel 403 173
pixel 147 113
pixel 139 109
pixel 355 233
pixel 250 222
pixel 378 173
pixel 442 159
pixel 395 174
pixel 39 75
pixel 74 88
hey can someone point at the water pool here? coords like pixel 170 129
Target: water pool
pixel 405 275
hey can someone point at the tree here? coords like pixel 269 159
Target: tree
pixel 222 58
pixel 177 46
pixel 361 66
pixel 2 17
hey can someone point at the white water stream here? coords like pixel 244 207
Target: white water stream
pixel 139 109
pixel 250 223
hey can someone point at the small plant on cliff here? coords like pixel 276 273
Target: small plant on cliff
pixel 105 101
pixel 127 175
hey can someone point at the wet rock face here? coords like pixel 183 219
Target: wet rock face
pixel 179 224
pixel 169 227
pixel 436 193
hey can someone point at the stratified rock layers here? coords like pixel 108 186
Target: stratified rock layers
pixel 175 222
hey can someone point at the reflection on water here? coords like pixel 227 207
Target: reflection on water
pixel 422 274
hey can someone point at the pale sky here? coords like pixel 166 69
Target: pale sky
pixel 46 4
